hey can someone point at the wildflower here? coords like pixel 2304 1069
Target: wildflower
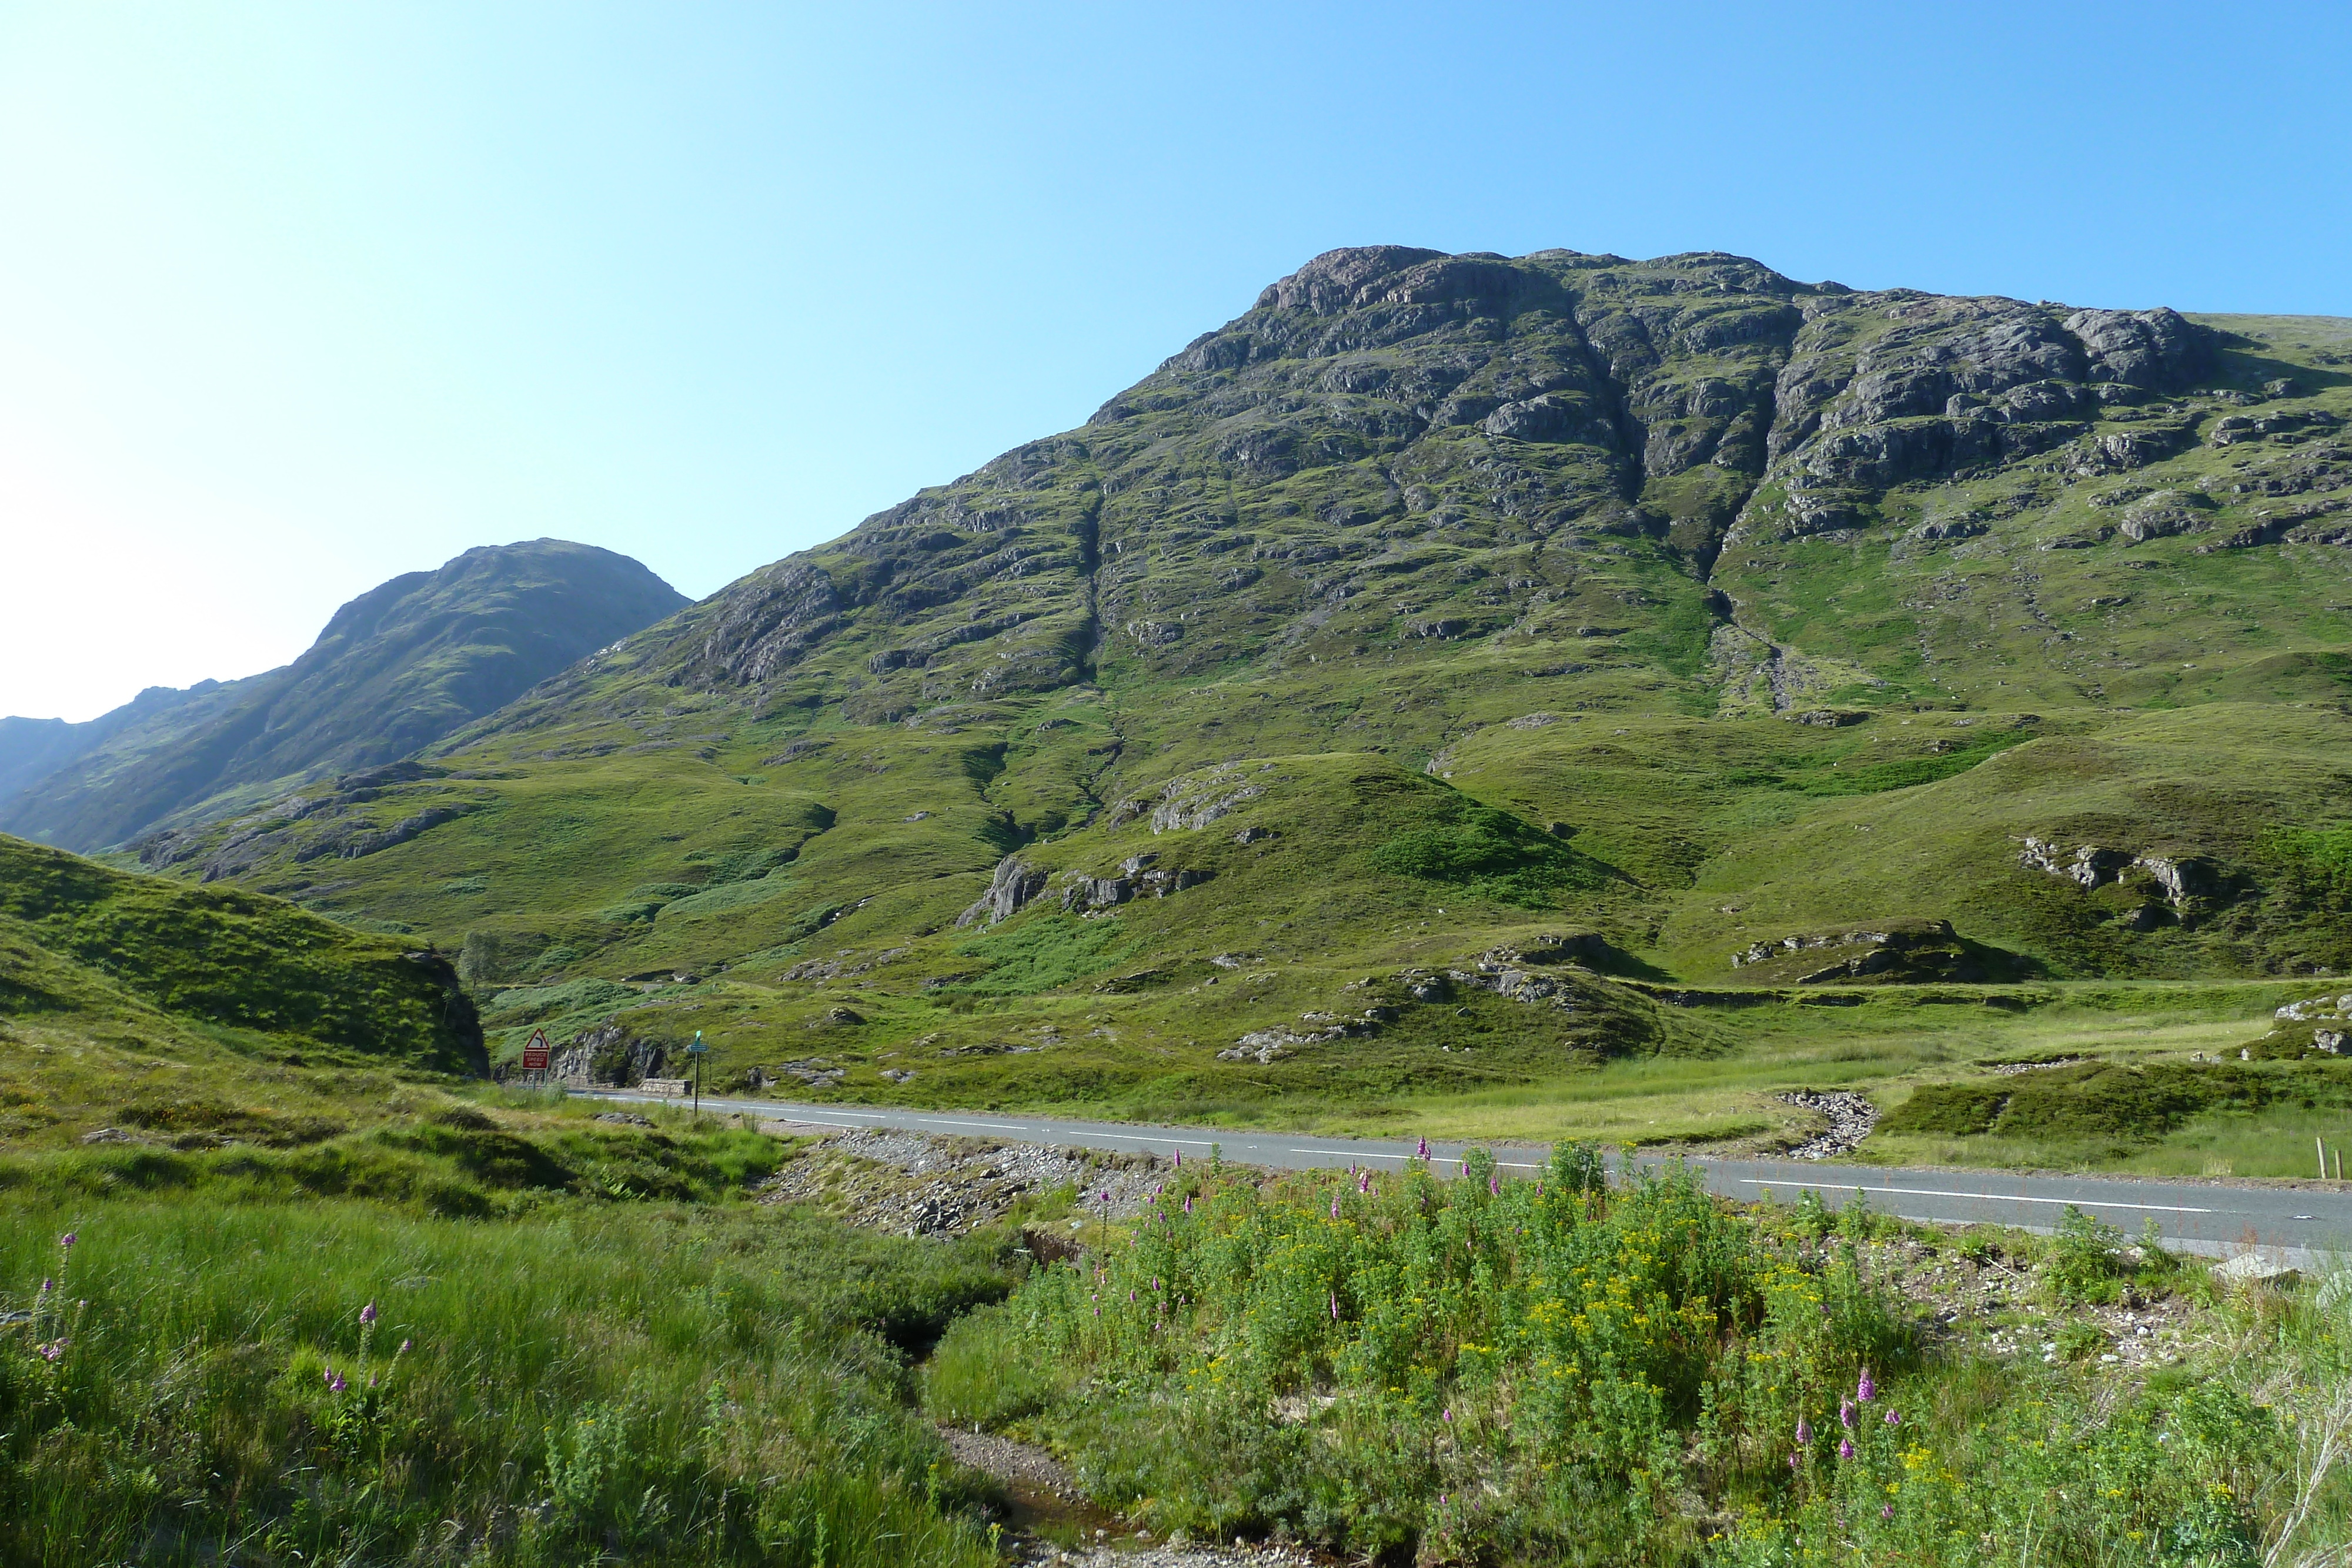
pixel 1335 1206
pixel 48 1285
pixel 1866 1390
pixel 1422 1152
pixel 1893 1419
pixel 1447 1416
pixel 1846 1447
pixel 1886 1511
pixel 367 1313
pixel 1794 1461
pixel 371 1380
pixel 1845 1413
pixel 1494 1184
pixel 1335 1306
pixel 54 1351
pixel 403 1348
pixel 1180 1159
pixel 1188 1205
pixel 65 1242
pixel 1804 1430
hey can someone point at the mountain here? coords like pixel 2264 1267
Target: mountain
pixel 33 749
pixel 395 669
pixel 1539 656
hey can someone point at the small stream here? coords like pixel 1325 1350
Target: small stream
pixel 1050 1520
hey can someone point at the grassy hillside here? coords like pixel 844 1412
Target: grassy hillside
pixel 171 1015
pixel 1694 648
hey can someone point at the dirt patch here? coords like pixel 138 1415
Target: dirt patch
pixel 918 1185
pixel 1996 1305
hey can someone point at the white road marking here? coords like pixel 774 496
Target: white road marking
pixel 951 1122
pixel 1980 1196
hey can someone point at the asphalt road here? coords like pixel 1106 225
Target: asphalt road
pixel 2206 1217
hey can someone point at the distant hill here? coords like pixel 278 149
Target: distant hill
pixel 1452 651
pixel 396 669
pixel 33 749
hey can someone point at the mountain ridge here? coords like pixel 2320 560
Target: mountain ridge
pixel 393 669
pixel 1437 612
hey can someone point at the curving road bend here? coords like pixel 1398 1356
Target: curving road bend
pixel 2299 1224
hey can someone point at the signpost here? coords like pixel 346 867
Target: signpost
pixel 534 1055
pixel 697 1051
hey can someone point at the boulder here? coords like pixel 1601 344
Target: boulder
pixel 2253 1269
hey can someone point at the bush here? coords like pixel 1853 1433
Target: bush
pixel 2083 1265
pixel 1565 1344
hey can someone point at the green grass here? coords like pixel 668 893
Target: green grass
pixel 663 1385
pixel 1042 954
pixel 1554 1372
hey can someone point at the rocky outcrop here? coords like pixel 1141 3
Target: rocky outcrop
pixel 1014 885
pixel 2179 879
pixel 1194 801
pixel 1139 876
pixel 1905 950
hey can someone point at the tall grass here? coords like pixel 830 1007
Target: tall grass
pixel 594 1383
pixel 1555 1371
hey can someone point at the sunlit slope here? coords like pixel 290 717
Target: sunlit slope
pixel 1671 609
pixel 117 988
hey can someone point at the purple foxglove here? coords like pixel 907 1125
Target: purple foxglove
pixel 1845 1413
pixel 1866 1390
pixel 1846 1447
pixel 367 1313
pixel 1804 1430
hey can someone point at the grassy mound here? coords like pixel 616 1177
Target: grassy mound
pixel 2110 1102
pixel 79 937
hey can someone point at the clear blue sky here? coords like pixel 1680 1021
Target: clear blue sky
pixel 294 297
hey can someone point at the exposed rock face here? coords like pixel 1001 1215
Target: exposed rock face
pixel 2091 866
pixel 1014 885
pixel 1139 877
pixel 1907 949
